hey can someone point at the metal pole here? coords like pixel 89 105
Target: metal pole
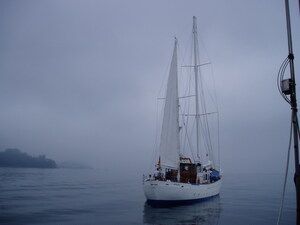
pixel 196 85
pixel 294 109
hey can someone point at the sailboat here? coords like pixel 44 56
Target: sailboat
pixel 179 178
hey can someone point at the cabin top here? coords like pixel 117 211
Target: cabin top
pixel 185 160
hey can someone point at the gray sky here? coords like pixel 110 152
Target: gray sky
pixel 79 79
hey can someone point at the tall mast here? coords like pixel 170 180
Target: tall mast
pixel 288 87
pixel 293 103
pixel 196 83
pixel 177 101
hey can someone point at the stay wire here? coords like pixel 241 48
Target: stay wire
pixel 280 78
pixel 286 172
pixel 154 152
pixel 280 72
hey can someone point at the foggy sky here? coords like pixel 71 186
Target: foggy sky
pixel 79 80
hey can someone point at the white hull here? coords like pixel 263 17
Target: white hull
pixel 174 191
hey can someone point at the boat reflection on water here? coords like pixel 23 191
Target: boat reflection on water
pixel 204 213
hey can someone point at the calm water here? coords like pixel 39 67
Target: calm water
pixel 70 196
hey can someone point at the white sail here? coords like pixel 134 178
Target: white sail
pixel 169 142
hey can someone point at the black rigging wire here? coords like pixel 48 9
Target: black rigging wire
pixel 294 118
pixel 286 172
pixel 292 102
pixel 280 78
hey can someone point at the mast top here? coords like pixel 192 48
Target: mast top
pixel 194 24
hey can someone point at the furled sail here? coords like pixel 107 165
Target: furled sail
pixel 169 142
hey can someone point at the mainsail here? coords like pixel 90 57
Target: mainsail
pixel 169 142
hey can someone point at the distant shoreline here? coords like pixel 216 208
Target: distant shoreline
pixel 14 158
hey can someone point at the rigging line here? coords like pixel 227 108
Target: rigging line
pixel 209 144
pixel 165 75
pixel 284 68
pixel 188 105
pixel 183 122
pixel 282 71
pixel 202 114
pixel 202 96
pixel 204 48
pixel 297 123
pixel 182 133
pixel 203 133
pixel 187 96
pixel 205 112
pixel 218 116
pixel 203 64
pixel 155 152
pixel 180 61
pixel 208 137
pixel 214 86
pixel 197 76
pixel 209 93
pixel 286 173
pixel 280 75
pixel 214 100
pixel 159 126
pixel 205 138
pixel 218 143
pixel 184 31
pixel 183 141
pixel 187 90
pixel 211 130
pixel 155 141
pixel 189 142
pixel 183 55
pixel 186 84
pixel 186 137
